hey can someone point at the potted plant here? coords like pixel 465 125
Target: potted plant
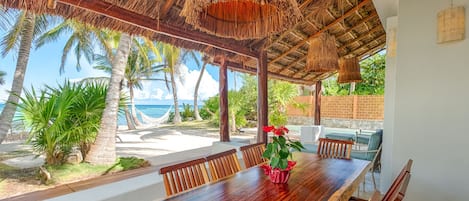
pixel 278 151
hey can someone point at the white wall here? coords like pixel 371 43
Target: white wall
pixel 431 108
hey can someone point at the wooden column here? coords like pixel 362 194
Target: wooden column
pixel 317 104
pixel 262 99
pixel 223 91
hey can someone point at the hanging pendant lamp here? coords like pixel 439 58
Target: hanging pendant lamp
pixel 241 19
pixel 349 70
pixel 322 54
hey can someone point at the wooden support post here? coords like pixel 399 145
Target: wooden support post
pixel 317 104
pixel 262 99
pixel 223 91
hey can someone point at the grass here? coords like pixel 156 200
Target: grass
pixel 68 172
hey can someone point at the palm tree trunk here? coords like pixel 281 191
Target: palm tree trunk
pixel 177 115
pixel 132 103
pixel 196 93
pixel 128 118
pixel 103 150
pixel 8 112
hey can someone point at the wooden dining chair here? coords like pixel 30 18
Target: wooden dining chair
pixel 398 188
pixel 252 154
pixel 223 164
pixel 184 176
pixel 331 148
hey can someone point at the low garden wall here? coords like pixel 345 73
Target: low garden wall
pixel 365 112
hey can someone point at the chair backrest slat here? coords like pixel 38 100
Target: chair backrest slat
pixel 252 154
pixel 331 148
pixel 399 187
pixel 223 164
pixel 184 176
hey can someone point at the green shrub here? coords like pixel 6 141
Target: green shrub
pixel 63 117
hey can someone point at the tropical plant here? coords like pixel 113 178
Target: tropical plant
pixel 63 117
pixel 20 36
pixel 171 58
pixel 187 112
pixel 2 77
pixel 82 40
pixel 103 150
pixel 280 95
pixel 278 150
pixel 196 92
pixel 141 65
pixel 373 74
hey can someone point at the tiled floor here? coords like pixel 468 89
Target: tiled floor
pixel 369 189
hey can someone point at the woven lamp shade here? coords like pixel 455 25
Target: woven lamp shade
pixel 322 54
pixel 241 19
pixel 349 70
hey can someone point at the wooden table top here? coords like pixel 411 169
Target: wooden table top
pixel 313 178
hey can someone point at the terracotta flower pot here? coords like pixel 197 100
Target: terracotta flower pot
pixel 279 176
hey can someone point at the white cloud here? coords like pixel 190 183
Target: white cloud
pixel 158 94
pixel 168 97
pixel 186 85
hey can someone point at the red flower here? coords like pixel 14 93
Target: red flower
pixel 278 132
pixel 268 128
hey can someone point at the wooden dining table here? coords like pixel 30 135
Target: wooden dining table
pixel 313 178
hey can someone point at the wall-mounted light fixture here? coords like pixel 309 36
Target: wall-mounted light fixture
pixel 451 24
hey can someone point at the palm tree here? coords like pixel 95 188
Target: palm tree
pixel 2 77
pixel 20 35
pixel 172 61
pixel 196 92
pixel 82 41
pixel 103 150
pixel 140 66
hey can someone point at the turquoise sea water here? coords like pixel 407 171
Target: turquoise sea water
pixel 154 111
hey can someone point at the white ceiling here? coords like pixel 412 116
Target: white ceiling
pixel 385 9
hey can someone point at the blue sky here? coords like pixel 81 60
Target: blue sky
pixel 43 69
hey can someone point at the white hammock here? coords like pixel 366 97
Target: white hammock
pixel 150 121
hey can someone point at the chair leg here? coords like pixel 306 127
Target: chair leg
pixel 373 178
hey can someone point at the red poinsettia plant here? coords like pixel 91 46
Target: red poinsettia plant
pixel 279 150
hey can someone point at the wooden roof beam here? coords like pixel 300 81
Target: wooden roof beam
pixel 372 15
pixel 351 52
pixel 338 20
pixel 109 10
pixel 246 69
pixel 369 33
pixel 373 51
pixel 285 33
pixel 165 8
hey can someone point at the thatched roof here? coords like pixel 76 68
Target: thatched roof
pixel 354 23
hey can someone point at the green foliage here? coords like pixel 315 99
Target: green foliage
pixel 129 163
pixel 373 75
pixel 280 95
pixel 187 112
pixel 63 117
pixel 244 102
pixel 278 150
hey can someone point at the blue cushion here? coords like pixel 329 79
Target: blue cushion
pixel 310 148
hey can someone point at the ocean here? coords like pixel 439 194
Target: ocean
pixel 154 111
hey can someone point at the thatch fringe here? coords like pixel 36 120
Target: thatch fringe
pixel 322 54
pixel 349 70
pixel 241 19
